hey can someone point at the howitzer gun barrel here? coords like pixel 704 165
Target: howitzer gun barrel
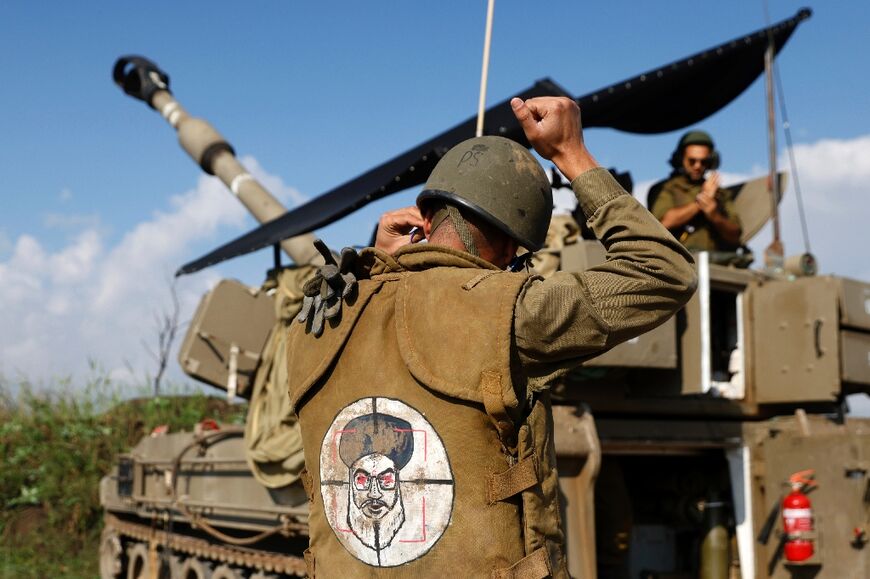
pixel 143 80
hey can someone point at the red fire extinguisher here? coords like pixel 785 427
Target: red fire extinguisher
pixel 797 518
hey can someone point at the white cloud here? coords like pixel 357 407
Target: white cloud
pixel 75 263
pixel 90 300
pixel 833 175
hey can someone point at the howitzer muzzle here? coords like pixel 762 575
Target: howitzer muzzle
pixel 139 77
pixel 142 79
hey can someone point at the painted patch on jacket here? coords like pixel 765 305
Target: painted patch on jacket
pixel 386 482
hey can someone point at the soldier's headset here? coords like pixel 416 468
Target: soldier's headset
pixel 694 138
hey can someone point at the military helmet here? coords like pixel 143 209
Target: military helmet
pixel 498 180
pixel 694 138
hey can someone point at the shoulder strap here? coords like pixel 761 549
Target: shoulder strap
pixel 534 566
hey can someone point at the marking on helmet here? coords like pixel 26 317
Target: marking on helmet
pixel 473 156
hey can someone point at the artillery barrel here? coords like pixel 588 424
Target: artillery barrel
pixel 143 80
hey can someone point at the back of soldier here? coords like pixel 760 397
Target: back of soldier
pixel 401 466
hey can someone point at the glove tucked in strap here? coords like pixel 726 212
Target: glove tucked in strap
pixel 324 293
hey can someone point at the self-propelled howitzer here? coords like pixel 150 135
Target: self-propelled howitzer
pixel 701 428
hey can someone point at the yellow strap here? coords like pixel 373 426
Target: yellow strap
pixel 493 402
pixel 534 566
pixel 521 476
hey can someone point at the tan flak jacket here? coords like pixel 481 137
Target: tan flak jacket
pixel 425 416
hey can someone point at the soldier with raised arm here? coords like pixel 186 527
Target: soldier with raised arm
pixel 419 371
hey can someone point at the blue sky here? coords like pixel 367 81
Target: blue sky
pixel 100 205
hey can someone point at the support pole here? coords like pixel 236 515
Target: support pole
pixel 481 107
pixel 774 254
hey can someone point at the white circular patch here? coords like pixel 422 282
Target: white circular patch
pixel 386 481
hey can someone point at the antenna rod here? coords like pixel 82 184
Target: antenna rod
pixel 485 72
pixel 773 255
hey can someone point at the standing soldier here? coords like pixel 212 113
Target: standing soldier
pixel 419 371
pixel 691 204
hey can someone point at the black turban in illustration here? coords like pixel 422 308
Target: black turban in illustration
pixel 377 433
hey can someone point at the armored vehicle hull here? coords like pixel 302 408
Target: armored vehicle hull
pixel 183 502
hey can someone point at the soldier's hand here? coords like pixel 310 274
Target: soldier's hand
pixel 711 185
pixel 394 229
pixel 552 125
pixel 707 203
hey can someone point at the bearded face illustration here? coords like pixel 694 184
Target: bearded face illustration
pixel 375 513
pixel 375 447
pixel 385 481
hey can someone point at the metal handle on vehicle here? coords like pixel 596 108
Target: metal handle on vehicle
pixel 817 334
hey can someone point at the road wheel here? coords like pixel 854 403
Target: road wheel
pixel 137 562
pixel 111 555
pixel 193 568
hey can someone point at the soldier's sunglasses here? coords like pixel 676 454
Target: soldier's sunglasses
pixel 704 162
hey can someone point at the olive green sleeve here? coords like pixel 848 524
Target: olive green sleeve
pixel 729 209
pixel 664 202
pixel 570 317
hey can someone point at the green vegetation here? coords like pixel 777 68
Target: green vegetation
pixel 55 447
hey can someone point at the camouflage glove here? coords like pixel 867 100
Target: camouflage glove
pixel 324 293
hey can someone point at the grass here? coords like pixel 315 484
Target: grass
pixel 55 447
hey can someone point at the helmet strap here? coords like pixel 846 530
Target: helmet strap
pixel 438 218
pixel 461 229
pixel 447 211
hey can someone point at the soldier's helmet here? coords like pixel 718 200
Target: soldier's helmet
pixel 498 180
pixel 695 138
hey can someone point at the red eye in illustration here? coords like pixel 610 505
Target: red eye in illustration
pixel 387 480
pixel 361 480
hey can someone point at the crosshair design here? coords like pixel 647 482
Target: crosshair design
pixel 386 482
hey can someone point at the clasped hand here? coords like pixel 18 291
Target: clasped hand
pixel 706 199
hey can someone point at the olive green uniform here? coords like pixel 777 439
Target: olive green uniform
pixel 698 234
pixel 452 357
